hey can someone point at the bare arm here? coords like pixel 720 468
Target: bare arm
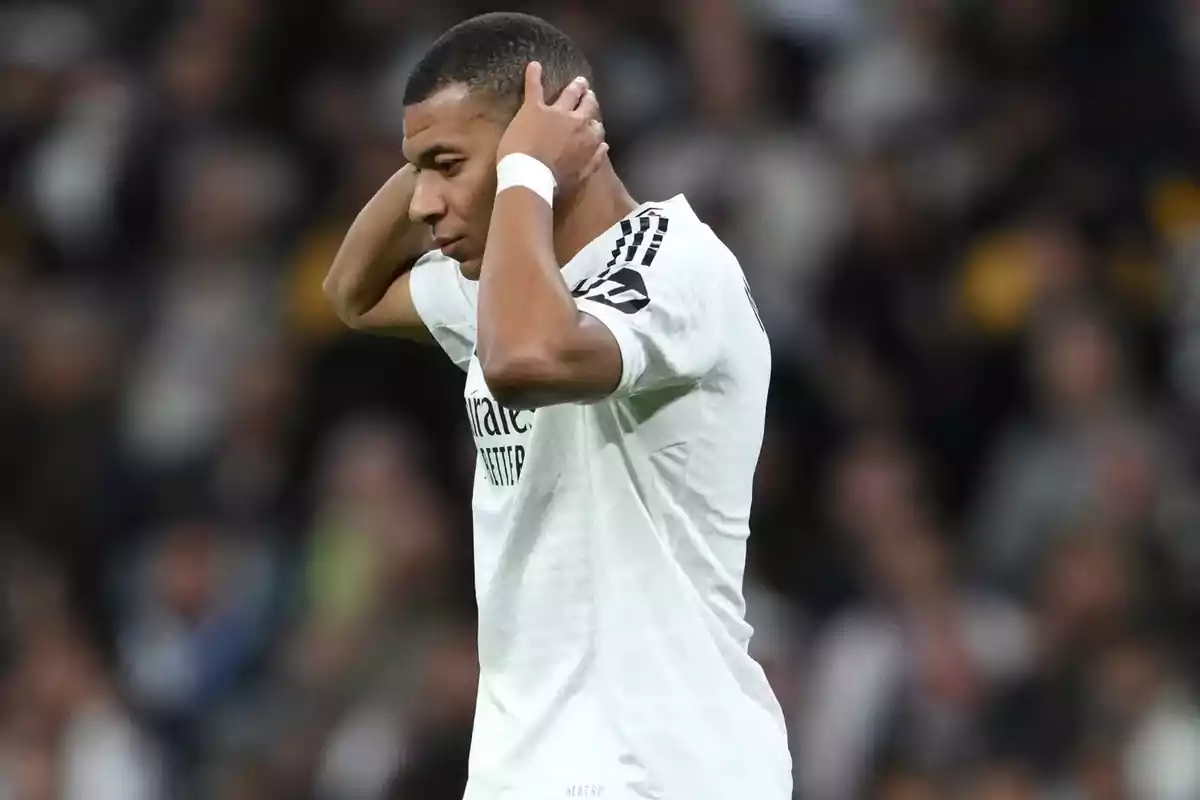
pixel 536 347
pixel 368 283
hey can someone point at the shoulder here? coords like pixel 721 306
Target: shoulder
pixel 664 232
pixel 661 247
pixel 438 273
pixel 444 265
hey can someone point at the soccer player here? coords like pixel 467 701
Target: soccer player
pixel 616 382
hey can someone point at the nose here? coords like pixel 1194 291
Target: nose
pixel 427 206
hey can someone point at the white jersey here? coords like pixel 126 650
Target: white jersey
pixel 610 537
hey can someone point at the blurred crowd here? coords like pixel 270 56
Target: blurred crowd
pixel 235 550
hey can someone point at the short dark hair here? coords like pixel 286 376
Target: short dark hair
pixel 489 53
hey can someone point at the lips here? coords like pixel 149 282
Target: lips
pixel 448 246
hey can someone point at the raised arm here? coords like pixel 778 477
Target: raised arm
pixel 633 327
pixel 535 346
pixel 368 283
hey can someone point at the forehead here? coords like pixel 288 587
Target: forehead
pixel 452 118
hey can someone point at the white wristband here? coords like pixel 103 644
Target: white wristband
pixel 519 169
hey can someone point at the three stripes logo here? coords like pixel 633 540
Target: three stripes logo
pixel 620 285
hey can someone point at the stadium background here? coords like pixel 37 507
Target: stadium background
pixel 234 540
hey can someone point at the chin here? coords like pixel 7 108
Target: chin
pixel 471 268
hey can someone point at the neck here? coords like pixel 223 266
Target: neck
pixel 601 202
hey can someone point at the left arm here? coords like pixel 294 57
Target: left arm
pixel 534 345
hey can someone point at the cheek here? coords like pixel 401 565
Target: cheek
pixel 476 195
pixel 484 209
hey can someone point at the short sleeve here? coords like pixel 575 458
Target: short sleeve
pixel 445 301
pixel 663 312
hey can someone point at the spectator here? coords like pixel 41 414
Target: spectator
pixel 1088 592
pixel 1093 450
pixel 100 752
pixel 195 619
pixel 901 675
pixel 1139 690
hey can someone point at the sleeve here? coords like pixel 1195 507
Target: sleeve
pixel 664 313
pixel 446 303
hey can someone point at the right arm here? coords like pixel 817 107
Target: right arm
pixel 368 284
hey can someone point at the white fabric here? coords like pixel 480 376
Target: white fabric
pixel 1163 757
pixel 445 300
pixel 610 538
pixel 104 757
pixel 519 169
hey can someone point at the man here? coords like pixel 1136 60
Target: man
pixel 616 384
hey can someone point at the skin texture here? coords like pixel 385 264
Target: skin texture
pixel 451 140
pixel 535 347
pixel 368 282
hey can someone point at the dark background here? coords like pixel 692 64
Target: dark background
pixel 234 539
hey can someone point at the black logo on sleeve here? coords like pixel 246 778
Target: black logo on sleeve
pixel 621 285
pixel 622 288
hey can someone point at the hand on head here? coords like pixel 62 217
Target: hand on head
pixel 566 135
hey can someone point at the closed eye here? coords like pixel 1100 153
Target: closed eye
pixel 448 167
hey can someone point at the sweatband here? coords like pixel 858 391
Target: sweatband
pixel 519 169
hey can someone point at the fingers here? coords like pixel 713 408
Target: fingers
pixel 570 97
pixel 534 92
pixel 597 161
pixel 589 106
